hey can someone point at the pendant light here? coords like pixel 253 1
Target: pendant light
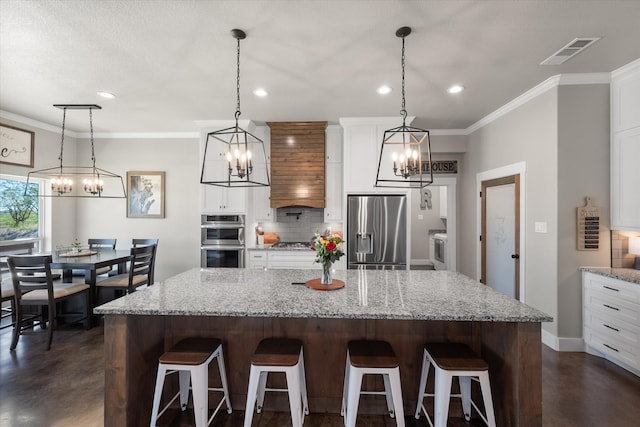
pixel 234 157
pixel 80 181
pixel 405 155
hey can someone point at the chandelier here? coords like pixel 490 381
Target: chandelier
pixel 234 157
pixel 405 155
pixel 91 178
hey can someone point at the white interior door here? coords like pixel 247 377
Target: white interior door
pixel 500 235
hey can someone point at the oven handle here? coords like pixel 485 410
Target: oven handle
pixel 222 247
pixel 225 226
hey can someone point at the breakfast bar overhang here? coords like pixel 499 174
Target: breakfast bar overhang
pixel 242 306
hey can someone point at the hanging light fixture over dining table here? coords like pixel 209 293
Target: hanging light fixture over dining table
pixel 79 181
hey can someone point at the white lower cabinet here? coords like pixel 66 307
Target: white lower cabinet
pixel 611 319
pixel 292 259
pixel 257 259
pixel 280 259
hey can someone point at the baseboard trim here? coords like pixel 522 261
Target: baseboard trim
pixel 562 344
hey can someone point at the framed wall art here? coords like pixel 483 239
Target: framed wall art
pixel 145 194
pixel 16 146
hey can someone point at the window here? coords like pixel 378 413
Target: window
pixel 20 215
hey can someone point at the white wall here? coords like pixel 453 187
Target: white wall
pixel 583 170
pixel 179 231
pixel 527 134
pixel 563 136
pixel 61 230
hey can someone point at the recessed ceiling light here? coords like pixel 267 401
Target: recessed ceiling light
pixel 260 92
pixel 106 95
pixel 455 89
pixel 383 90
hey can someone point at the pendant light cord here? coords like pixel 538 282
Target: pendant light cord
pixel 93 156
pixel 403 111
pixel 64 117
pixel 238 84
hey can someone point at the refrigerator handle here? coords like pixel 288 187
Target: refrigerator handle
pixel 364 243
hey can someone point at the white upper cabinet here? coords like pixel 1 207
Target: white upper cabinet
pixel 625 148
pixel 362 142
pixel 333 178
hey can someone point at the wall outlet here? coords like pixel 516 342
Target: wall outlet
pixel 540 227
pixel 420 216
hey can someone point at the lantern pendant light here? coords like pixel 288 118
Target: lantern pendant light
pixel 91 177
pixel 405 155
pixel 234 157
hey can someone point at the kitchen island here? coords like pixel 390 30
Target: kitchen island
pixel 242 306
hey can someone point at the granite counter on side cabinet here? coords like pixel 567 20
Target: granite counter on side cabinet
pixel 627 274
pixel 242 306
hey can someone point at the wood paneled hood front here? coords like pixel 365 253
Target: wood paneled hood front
pixel 297 164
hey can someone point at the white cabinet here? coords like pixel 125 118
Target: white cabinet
pixel 611 319
pixel 257 258
pixel 261 205
pixel 333 179
pixel 625 148
pixel 292 259
pixel 443 202
pixel 362 141
pixel 222 199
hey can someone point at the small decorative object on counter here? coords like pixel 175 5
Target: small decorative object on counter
pixel 328 249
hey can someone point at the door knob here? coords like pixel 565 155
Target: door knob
pixel 515 256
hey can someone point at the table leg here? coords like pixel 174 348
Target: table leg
pixel 90 279
pixel 67 275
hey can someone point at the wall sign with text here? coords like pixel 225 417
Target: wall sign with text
pixel 588 227
pixel 16 146
pixel 441 166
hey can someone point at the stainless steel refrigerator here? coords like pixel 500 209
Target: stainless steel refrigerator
pixel 377 232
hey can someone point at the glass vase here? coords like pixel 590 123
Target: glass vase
pixel 326 273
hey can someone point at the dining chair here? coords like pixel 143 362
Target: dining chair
pixel 144 242
pixel 99 245
pixel 33 285
pixel 140 272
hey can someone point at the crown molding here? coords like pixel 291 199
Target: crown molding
pixel 34 123
pixel 550 83
pixel 629 68
pixel 141 135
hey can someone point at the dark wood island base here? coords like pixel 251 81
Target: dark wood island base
pixel 133 344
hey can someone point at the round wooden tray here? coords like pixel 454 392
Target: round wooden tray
pixel 315 284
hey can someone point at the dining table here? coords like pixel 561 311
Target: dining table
pixel 90 261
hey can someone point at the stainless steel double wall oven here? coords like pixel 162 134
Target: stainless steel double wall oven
pixel 222 241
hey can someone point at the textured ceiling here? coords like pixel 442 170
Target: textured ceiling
pixel 171 63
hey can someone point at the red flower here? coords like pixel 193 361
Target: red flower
pixel 331 246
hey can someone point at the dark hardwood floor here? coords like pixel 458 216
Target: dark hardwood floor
pixel 64 387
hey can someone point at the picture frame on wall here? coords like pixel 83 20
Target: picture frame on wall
pixel 145 194
pixel 16 146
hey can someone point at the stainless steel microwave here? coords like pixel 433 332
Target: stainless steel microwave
pixel 222 230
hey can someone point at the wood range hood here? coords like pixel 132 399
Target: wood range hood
pixel 297 164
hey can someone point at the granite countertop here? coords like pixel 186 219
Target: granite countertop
pixel 368 294
pixel 627 274
pixel 271 248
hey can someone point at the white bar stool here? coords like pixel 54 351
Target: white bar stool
pixel 278 355
pixel 190 358
pixel 454 360
pixel 371 357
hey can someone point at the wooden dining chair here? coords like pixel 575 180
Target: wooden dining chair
pixel 144 242
pixel 140 272
pixel 99 245
pixel 33 285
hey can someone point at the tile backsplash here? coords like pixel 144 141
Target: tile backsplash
pixel 620 256
pixel 296 224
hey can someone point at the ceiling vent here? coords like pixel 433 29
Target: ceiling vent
pixel 570 50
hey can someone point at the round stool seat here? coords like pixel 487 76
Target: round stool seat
pixel 277 352
pixel 190 351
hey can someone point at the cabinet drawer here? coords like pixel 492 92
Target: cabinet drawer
pixel 613 287
pixel 292 259
pixel 612 307
pixel 257 259
pixel 615 329
pixel 612 347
